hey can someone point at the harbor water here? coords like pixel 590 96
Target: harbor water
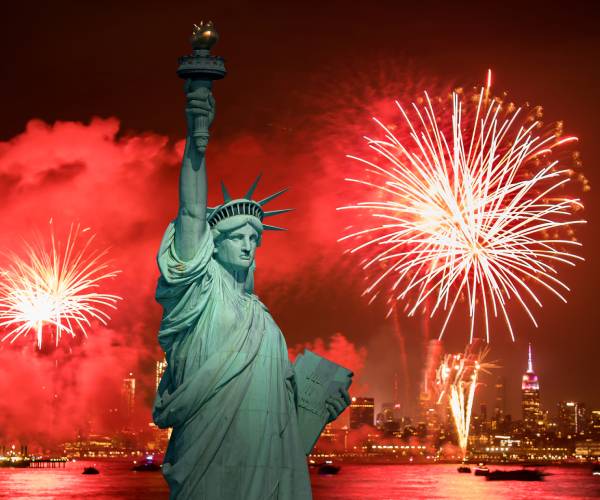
pixel 382 482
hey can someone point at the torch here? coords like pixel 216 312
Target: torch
pixel 200 68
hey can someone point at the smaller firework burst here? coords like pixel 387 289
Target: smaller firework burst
pixel 54 289
pixel 457 378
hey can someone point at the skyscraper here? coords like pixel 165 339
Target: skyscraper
pixel 128 396
pixel 594 427
pixel 572 418
pixel 428 408
pixel 530 397
pixel 362 412
pixel 390 418
pixel 162 435
pixel 499 403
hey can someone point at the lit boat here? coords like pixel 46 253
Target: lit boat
pixel 146 465
pixel 328 468
pixel 481 470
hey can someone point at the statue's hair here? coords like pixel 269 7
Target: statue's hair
pixel 226 226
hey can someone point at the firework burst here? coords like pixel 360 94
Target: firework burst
pixel 457 378
pixel 467 205
pixel 55 289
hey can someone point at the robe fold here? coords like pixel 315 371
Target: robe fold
pixel 228 390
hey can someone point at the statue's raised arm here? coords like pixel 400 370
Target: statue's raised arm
pixel 191 216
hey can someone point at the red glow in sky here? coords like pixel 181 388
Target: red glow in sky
pixel 95 138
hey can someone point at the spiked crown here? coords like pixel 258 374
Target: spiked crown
pixel 244 206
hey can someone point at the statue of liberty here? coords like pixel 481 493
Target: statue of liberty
pixel 229 391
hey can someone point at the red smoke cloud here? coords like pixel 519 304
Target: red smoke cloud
pixel 49 398
pixel 341 351
pixel 76 173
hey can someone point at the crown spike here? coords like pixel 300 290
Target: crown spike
pixel 226 196
pixel 244 206
pixel 277 212
pixel 253 187
pixel 272 197
pixel 266 227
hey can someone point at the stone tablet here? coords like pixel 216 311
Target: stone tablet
pixel 316 379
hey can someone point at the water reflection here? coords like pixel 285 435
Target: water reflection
pixel 354 482
pixel 444 482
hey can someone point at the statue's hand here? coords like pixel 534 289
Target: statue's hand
pixel 337 403
pixel 200 103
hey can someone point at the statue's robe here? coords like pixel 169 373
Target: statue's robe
pixel 228 390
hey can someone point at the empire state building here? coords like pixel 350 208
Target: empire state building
pixel 530 394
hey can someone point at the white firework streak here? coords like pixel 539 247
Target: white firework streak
pixel 55 288
pixel 469 216
pixel 457 378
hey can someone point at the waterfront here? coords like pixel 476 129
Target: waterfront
pixel 354 482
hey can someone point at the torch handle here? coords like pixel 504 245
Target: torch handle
pixel 201 123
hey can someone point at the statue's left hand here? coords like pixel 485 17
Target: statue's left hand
pixel 337 403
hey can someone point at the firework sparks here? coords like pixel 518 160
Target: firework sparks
pixel 467 205
pixel 457 379
pixel 55 290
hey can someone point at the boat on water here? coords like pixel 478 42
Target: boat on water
pixel 90 471
pixel 596 470
pixel 481 470
pixel 464 469
pixel 328 468
pixel 146 465
pixel 516 475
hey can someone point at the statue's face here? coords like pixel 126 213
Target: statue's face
pixel 236 250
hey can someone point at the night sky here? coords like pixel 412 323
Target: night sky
pixel 91 131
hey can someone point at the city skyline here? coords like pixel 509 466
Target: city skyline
pixel 561 429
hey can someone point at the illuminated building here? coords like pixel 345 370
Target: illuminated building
pixel 389 421
pixel 161 436
pixel 93 446
pixel 595 424
pixel 530 397
pixel 128 395
pixel 331 440
pixel 500 387
pixel 362 412
pixel 571 418
pixel 431 414
pixel 588 449
pixel 499 421
pixel 161 366
pixel 391 411
pixel 505 448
